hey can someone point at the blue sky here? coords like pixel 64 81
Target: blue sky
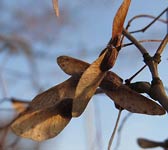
pixel 84 37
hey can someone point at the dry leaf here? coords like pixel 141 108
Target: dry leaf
pixel 87 86
pixel 119 22
pixel 48 113
pixel 56 8
pixel 133 101
pixel 145 143
pixel 113 86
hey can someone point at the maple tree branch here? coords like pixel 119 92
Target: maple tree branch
pixel 120 129
pixel 136 43
pixel 130 79
pixel 145 16
pixel 157 91
pixel 146 27
pixel 141 41
pixel 162 45
pixel 147 58
pixel 115 128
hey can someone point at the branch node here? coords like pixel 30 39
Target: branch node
pixel 155 81
pixel 157 58
pixel 147 57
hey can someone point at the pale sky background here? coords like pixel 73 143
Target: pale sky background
pixel 83 37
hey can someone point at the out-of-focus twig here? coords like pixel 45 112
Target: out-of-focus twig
pixel 56 7
pixel 120 129
pixel 98 122
pixel 115 128
pixel 14 44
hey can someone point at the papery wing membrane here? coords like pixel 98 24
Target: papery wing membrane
pixel 87 86
pixel 133 101
pixel 71 65
pixel 48 113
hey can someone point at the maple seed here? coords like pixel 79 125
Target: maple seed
pixel 105 65
pixel 65 109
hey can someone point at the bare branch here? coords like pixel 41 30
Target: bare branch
pixel 132 39
pixel 120 129
pixel 162 45
pixel 115 128
pixel 141 41
pixel 130 79
pixel 56 7
pixel 156 19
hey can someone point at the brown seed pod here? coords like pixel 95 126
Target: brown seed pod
pixel 72 66
pixel 87 86
pixel 114 88
pixel 145 143
pixel 133 101
pixel 44 123
pixel 48 113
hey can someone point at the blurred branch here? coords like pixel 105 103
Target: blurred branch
pixel 4 86
pixel 120 128
pixel 115 128
pixel 56 7
pixel 14 44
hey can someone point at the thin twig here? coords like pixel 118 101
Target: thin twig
pixel 132 39
pixel 167 20
pixel 146 27
pixel 141 41
pixel 130 79
pixel 142 16
pixel 145 16
pixel 157 90
pixel 14 143
pixel 15 43
pixel 2 80
pixel 151 64
pixel 120 129
pixel 115 128
pixel 162 45
pixel 4 85
pixel 98 140
pixel 2 140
